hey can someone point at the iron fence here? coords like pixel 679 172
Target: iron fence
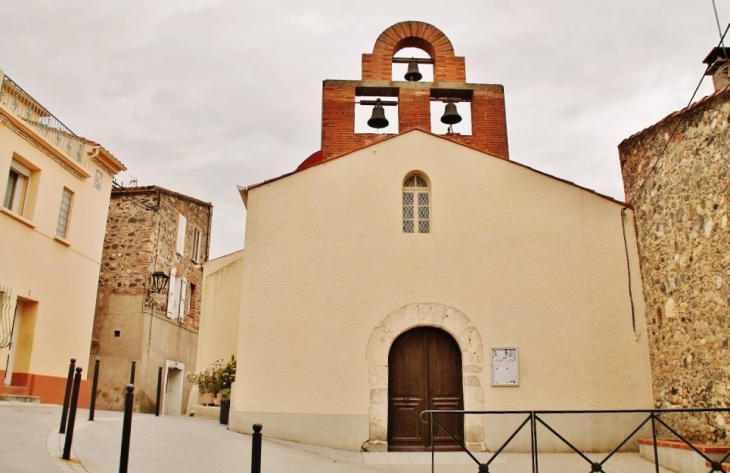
pixel 653 417
pixel 18 102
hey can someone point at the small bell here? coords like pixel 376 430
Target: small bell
pixel 378 120
pixel 450 116
pixel 413 75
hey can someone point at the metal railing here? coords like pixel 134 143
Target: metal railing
pixel 535 418
pixel 20 103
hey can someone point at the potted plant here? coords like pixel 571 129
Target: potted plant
pixel 207 383
pixel 214 379
pixel 226 377
pixel 225 401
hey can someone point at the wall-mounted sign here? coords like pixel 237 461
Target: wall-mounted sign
pixel 505 367
pixel 97 180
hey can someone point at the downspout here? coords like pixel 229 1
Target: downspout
pixel 628 267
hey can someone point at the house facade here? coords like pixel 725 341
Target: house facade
pixel 676 176
pixel 397 272
pixel 55 187
pixel 153 235
pixel 221 306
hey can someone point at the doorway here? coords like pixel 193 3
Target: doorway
pixel 424 372
pixel 173 388
pixel 17 367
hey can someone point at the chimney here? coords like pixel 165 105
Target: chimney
pixel 717 67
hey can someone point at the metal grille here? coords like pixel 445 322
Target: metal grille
pixel 415 181
pixel 416 208
pixel 62 226
pixel 16 100
pixel 6 317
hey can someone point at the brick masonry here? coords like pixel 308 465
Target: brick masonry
pixel 681 206
pixel 489 123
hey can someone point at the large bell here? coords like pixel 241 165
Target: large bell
pixel 450 116
pixel 413 75
pixel 378 120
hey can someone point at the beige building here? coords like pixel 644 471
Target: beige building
pixel 397 272
pixel 55 191
pixel 221 306
pixel 153 235
pixel 678 187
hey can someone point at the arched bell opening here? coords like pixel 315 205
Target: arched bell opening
pixel 409 60
pixel 376 111
pixel 442 117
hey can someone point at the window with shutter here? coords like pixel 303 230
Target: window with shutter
pixel 17 188
pixel 183 293
pixel 171 299
pixel 196 245
pixel 181 224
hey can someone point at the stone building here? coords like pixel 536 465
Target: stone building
pixel 676 176
pixel 394 272
pixel 152 235
pixel 55 187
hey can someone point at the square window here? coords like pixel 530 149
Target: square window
pixel 16 192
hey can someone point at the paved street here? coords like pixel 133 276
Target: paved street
pixel 30 443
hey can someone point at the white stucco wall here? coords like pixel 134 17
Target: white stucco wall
pixel 218 335
pixel 530 261
pixel 56 278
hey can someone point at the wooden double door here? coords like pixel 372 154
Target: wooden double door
pixel 424 373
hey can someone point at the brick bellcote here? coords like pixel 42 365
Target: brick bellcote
pixel 488 121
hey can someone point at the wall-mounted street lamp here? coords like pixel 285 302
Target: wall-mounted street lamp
pixel 159 282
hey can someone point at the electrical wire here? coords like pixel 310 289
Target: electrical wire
pixel 719 30
pixel 676 127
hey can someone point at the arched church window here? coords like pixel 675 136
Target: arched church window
pixel 416 205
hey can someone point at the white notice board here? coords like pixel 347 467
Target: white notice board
pixel 505 367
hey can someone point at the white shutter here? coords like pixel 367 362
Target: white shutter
pixel 171 299
pixel 181 223
pixel 183 294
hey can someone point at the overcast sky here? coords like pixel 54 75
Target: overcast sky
pixel 199 96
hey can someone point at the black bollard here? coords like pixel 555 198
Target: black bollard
pixel 92 406
pixel 126 429
pixel 131 376
pixel 256 449
pixel 72 415
pixel 159 391
pixel 67 396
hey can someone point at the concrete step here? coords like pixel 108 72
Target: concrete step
pixel 19 398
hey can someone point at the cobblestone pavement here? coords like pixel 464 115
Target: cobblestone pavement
pixel 30 443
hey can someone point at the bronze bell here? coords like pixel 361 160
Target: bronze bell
pixel 378 120
pixel 450 116
pixel 413 75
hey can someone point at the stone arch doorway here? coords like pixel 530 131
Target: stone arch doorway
pixel 424 373
pixel 466 335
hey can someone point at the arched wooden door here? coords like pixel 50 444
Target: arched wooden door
pixel 424 373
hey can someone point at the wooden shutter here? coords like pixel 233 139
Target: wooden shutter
pixel 183 293
pixel 181 223
pixel 171 299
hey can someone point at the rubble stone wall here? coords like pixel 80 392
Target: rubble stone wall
pixel 680 197
pixel 141 238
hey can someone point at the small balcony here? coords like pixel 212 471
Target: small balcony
pixel 28 111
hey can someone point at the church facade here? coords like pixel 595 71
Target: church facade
pixel 393 273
